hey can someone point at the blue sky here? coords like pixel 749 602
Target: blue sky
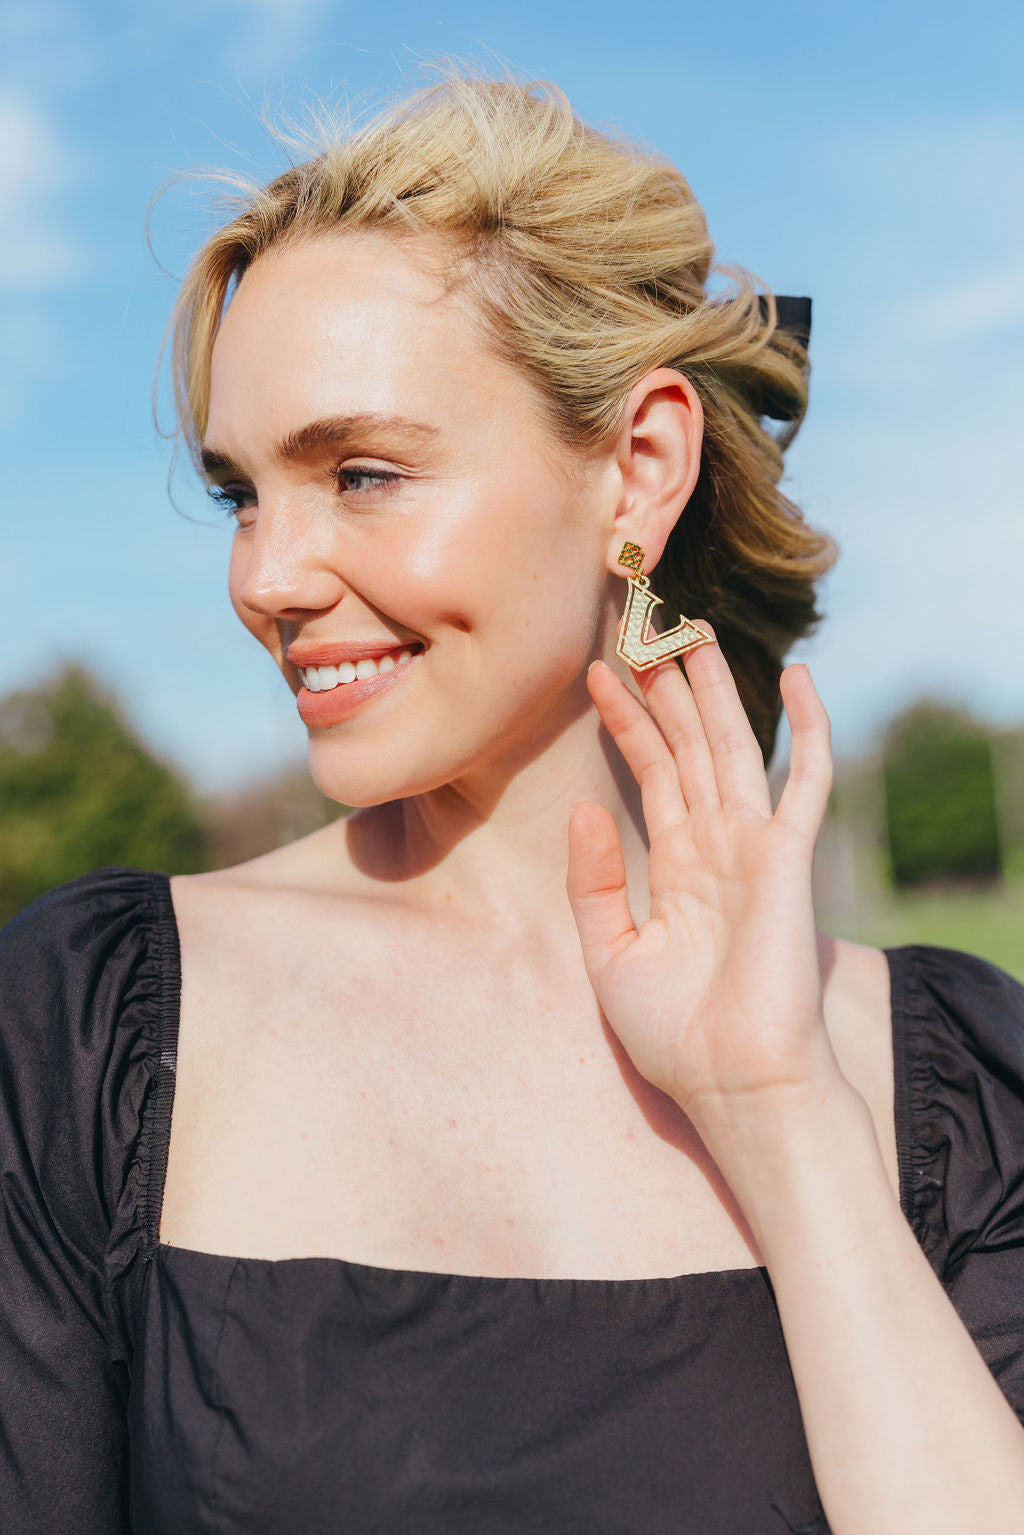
pixel 868 155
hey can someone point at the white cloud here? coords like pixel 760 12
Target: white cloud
pixel 973 309
pixel 929 519
pixel 36 251
pixel 926 252
pixel 269 31
pixel 910 455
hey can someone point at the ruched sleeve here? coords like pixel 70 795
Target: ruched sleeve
pixel 82 985
pixel 958 1031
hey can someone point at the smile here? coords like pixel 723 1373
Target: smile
pixel 322 679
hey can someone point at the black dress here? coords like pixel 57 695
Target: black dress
pixel 158 1390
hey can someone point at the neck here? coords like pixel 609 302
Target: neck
pixel 494 847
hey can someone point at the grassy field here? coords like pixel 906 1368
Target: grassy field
pixel 985 922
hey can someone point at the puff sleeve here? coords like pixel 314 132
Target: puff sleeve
pixel 80 999
pixel 959 1058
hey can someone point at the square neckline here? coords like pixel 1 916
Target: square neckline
pixel 168 938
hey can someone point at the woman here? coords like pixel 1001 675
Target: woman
pixel 375 1185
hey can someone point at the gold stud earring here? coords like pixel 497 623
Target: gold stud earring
pixel 636 644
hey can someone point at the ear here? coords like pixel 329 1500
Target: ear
pixel 658 454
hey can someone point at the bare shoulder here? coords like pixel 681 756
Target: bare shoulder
pixel 858 1015
pixel 222 904
pixel 269 951
pixel 241 929
pixel 858 1009
pixel 278 923
pixel 317 865
pixel 301 863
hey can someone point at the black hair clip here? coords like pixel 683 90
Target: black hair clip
pixel 792 315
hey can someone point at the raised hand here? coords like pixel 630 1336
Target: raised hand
pixel 717 997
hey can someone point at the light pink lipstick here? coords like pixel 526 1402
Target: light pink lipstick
pixel 318 711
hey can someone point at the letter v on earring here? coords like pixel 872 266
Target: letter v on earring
pixel 636 644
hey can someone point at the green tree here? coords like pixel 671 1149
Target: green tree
pixel 940 797
pixel 79 791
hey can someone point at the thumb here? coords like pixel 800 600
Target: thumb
pixel 596 886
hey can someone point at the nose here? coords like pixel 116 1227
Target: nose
pixel 286 563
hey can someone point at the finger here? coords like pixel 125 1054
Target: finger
pixel 672 704
pixel 735 753
pixel 809 780
pixel 643 748
pixel 596 886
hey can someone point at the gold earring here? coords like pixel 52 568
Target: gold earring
pixel 636 644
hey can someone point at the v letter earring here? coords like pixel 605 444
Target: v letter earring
pixel 636 644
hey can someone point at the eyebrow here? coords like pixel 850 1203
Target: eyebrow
pixel 328 432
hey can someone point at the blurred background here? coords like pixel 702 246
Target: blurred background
pixel 869 156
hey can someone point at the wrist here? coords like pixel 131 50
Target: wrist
pixel 793 1151
pixel 770 1117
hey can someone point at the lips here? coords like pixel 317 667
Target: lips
pixel 303 653
pixel 332 698
pixel 321 678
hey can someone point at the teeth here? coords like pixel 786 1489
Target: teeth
pixel 320 679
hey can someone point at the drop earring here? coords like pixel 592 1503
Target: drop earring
pixel 636 644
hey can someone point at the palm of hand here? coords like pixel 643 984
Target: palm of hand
pixel 718 994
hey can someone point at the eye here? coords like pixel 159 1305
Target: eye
pixel 362 479
pixel 230 498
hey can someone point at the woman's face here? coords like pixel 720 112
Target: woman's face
pixel 400 499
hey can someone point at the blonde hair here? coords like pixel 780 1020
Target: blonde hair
pixel 588 260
